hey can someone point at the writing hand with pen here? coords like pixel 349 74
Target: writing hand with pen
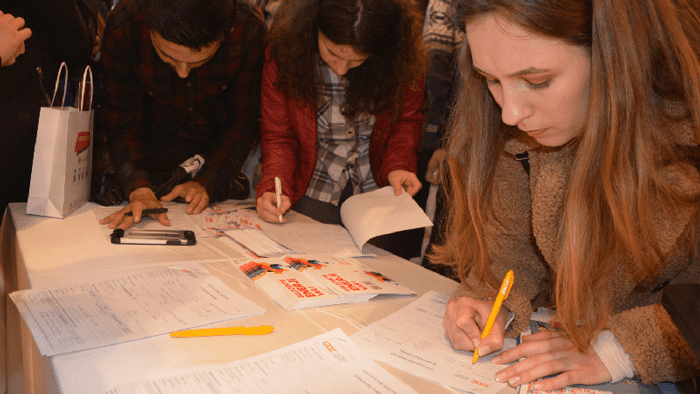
pixel 272 206
pixel 543 354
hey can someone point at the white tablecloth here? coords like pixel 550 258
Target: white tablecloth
pixel 40 252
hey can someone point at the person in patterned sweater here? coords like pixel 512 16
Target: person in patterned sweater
pixel 181 81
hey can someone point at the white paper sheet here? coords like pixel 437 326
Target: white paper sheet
pixel 413 339
pixel 224 217
pixel 364 216
pixel 294 236
pixel 380 212
pixel 258 242
pixel 153 302
pixel 328 363
pixel 314 238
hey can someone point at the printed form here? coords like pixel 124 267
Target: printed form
pixel 413 339
pixel 140 305
pixel 328 363
pixel 314 238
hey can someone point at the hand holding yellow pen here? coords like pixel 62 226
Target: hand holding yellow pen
pixel 502 295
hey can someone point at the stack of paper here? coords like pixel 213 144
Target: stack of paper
pixel 413 339
pixel 298 282
pixel 364 217
pixel 328 363
pixel 153 302
pixel 257 242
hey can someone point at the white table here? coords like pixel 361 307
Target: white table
pixel 41 252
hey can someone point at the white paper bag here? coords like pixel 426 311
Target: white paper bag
pixel 60 181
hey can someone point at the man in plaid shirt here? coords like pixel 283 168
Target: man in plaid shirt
pixel 181 78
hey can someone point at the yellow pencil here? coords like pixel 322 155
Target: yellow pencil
pixel 208 332
pixel 502 295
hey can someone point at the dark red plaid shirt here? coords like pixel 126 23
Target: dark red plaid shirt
pixel 155 120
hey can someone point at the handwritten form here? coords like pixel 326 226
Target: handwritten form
pixel 413 339
pixel 154 302
pixel 328 363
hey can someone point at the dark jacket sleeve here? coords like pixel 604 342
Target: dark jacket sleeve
pixel 284 153
pixel 400 137
pixel 67 27
pixel 241 130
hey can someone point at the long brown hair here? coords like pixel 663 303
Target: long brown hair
pixel 389 31
pixel 644 54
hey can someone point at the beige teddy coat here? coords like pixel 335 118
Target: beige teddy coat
pixel 529 209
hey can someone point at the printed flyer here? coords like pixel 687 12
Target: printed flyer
pixel 298 282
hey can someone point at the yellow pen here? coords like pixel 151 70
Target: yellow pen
pixel 208 332
pixel 502 295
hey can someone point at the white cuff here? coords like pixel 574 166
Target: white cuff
pixel 616 360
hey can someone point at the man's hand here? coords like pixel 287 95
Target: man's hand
pixel 12 37
pixel 402 180
pixel 140 199
pixel 193 192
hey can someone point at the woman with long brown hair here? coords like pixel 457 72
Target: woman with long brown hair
pixel 573 160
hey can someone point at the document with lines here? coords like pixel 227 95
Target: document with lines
pixel 413 339
pixel 328 363
pixel 364 216
pixel 139 305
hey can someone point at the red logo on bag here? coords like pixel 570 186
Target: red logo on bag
pixel 83 142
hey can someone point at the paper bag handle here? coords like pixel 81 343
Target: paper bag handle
pixel 65 84
pixel 82 90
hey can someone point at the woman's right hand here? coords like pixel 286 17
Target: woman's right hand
pixel 464 320
pixel 267 207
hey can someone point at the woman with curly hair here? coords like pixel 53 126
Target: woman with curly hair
pixel 573 161
pixel 342 102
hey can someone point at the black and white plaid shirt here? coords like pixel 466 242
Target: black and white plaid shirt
pixel 343 145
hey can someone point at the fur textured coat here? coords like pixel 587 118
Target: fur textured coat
pixel 529 210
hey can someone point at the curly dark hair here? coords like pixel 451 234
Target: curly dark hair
pixel 389 31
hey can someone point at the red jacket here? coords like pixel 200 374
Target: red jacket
pixel 289 136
